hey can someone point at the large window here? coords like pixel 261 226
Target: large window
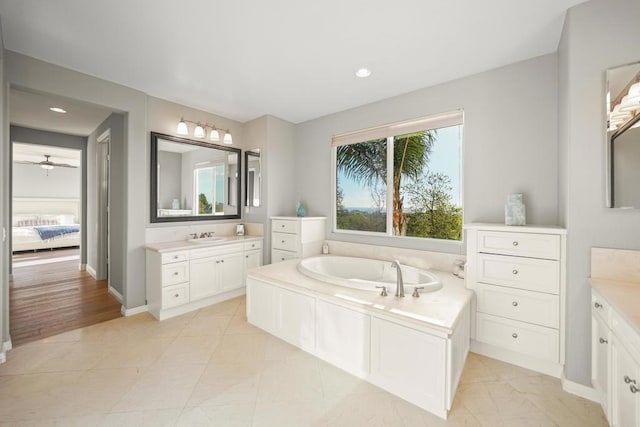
pixel 403 179
pixel 209 190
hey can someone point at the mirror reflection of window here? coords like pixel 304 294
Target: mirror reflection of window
pixel 209 190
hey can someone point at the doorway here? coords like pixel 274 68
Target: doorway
pixel 58 281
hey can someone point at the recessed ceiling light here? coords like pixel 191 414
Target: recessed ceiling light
pixel 363 72
pixel 58 110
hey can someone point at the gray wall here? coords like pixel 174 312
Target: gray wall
pixel 170 179
pixel 40 137
pixel 117 208
pixel 597 35
pixel 32 74
pixel 510 145
pixel 33 181
pixel 626 169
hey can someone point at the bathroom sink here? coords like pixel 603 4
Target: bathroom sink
pixel 207 240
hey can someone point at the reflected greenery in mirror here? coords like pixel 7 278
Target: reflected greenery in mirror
pixel 193 180
pixel 252 177
pixel 623 136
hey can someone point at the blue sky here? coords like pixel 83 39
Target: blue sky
pixel 446 157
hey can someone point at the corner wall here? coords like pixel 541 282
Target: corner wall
pixel 599 34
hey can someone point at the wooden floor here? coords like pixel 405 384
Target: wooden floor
pixel 49 295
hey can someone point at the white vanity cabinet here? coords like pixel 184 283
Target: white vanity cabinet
pixel 293 237
pixel 615 363
pixel 183 280
pixel 518 274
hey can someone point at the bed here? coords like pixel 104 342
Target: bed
pixel 45 223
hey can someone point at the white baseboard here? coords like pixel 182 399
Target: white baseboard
pixel 6 346
pixel 186 308
pixel 117 295
pixel 92 272
pixel 578 389
pixel 82 267
pixel 131 311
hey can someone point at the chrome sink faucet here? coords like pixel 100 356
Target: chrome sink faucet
pixel 399 283
pixel 206 234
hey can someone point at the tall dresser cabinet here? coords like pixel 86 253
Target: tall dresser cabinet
pixel 518 274
pixel 293 237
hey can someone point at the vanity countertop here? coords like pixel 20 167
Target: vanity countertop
pixel 623 297
pixel 186 245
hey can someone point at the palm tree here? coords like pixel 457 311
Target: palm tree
pixel 366 164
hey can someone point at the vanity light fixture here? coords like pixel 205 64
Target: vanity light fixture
pixel 363 73
pixel 200 131
pixel 627 107
pixel 58 110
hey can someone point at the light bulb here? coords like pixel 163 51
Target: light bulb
pixel 214 135
pixel 627 105
pixel 228 139
pixel 182 128
pixel 198 131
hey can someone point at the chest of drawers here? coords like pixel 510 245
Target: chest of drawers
pixel 293 237
pixel 518 274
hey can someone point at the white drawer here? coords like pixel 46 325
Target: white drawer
pixel 170 257
pixel 175 295
pixel 600 308
pixel 278 255
pixel 524 273
pixel 254 244
pixel 284 226
pixel 285 242
pixel 532 340
pixel 527 306
pixel 175 273
pixel 545 246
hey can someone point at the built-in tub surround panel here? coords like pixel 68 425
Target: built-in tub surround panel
pixel 412 347
pixel 175 233
pixel 417 258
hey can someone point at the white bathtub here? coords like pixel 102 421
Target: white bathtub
pixel 366 274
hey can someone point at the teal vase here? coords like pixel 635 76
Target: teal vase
pixel 300 210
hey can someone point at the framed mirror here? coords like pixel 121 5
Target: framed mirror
pixel 623 136
pixel 252 178
pixel 193 180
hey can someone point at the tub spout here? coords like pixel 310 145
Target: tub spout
pixel 399 283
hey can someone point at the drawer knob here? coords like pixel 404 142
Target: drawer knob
pixel 515 243
pixel 282 258
pixel 597 305
pixel 175 273
pixel 283 241
pixel 246 256
pixel 603 341
pixel 222 261
pixel 514 335
pixel 176 257
pixel 176 295
pixel 515 303
pixel 253 246
pixel 633 388
pixel 282 226
pixel 514 271
pixel 628 380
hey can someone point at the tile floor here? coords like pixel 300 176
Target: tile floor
pixel 212 368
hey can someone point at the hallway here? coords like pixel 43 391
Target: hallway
pixel 49 295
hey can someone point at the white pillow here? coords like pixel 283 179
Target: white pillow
pixel 66 219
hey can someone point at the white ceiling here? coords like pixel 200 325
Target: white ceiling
pixel 31 110
pixel 36 153
pixel 290 58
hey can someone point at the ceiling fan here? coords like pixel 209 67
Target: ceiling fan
pixel 46 163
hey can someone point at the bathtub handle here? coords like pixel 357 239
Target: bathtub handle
pixel 416 293
pixel 384 291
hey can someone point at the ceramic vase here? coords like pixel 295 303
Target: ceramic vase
pixel 300 210
pixel 515 210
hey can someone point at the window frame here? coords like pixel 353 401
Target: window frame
pixel 352 137
pixel 196 180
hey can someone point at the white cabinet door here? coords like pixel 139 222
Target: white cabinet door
pixel 600 361
pixel 231 272
pixel 625 380
pixel 342 337
pixel 410 364
pixel 296 319
pixel 252 259
pixel 261 305
pixel 202 273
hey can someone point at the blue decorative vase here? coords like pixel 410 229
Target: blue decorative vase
pixel 300 210
pixel 515 210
